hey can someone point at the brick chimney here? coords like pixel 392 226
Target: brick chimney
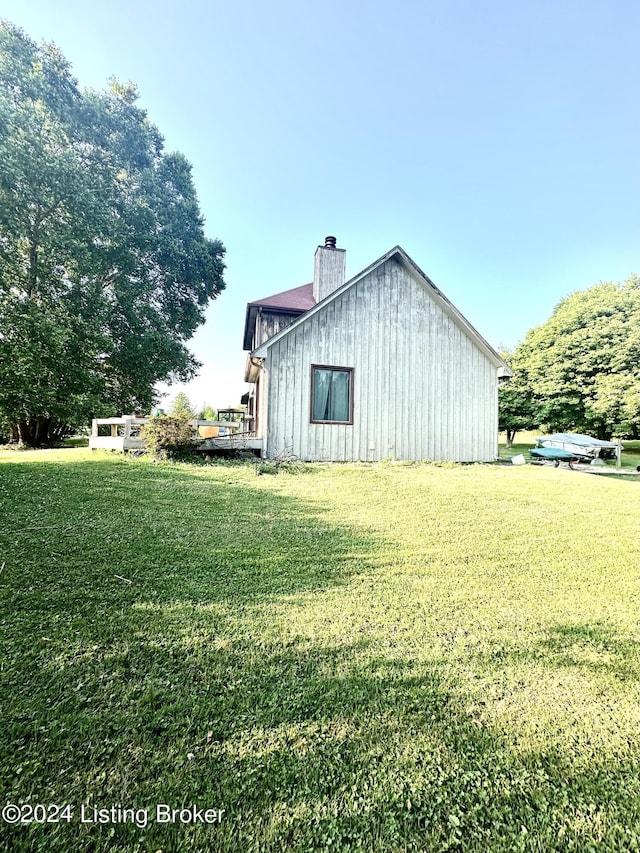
pixel 328 269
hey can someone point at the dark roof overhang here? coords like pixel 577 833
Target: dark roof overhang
pixel 294 302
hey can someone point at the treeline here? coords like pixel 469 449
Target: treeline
pixel 579 371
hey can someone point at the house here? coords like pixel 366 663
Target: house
pixel 380 366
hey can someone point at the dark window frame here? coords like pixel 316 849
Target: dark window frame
pixel 331 367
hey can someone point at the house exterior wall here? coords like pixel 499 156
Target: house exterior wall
pixel 269 323
pixel 422 388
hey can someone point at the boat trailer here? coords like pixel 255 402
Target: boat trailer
pixel 553 454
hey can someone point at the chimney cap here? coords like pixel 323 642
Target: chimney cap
pixel 330 242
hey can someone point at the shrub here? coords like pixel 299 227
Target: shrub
pixel 169 437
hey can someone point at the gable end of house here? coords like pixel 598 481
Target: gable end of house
pixel 398 254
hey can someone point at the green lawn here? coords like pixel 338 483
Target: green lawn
pixel 388 658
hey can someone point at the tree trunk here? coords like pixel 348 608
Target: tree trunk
pixel 41 430
pixel 24 433
pixel 35 432
pixel 511 434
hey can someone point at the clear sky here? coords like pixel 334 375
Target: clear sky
pixel 495 141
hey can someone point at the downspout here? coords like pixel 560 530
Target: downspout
pixel 261 383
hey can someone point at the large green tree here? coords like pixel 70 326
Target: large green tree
pixel 583 365
pixel 105 271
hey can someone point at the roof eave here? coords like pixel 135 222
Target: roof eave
pixel 252 312
pixel 249 325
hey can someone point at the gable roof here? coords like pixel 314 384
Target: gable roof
pixel 401 256
pixel 295 302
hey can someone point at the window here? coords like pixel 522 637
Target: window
pixel 331 394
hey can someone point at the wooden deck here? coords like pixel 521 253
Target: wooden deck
pixel 117 442
pixel 124 434
pixel 231 443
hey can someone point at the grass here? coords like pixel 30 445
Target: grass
pixel 388 658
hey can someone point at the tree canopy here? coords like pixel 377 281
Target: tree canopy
pixel 182 406
pixel 105 271
pixel 582 367
pixel 208 413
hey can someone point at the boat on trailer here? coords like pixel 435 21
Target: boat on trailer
pixel 584 447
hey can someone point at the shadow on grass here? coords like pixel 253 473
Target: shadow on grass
pixel 593 649
pixel 72 533
pixel 306 747
pixel 577 644
pixel 168 690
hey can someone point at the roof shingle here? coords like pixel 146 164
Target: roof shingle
pixel 296 299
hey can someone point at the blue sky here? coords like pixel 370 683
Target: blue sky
pixel 496 142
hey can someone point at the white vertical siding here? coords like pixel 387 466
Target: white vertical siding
pixel 423 389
